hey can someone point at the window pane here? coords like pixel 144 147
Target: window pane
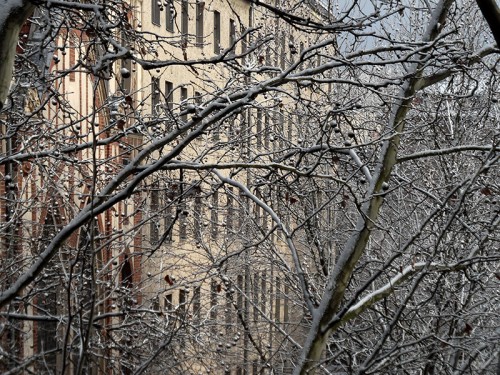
pixel 184 96
pixel 170 14
pixel 169 87
pixel 216 32
pixel 155 95
pixel 232 32
pixel 155 11
pixel 184 20
pixel 200 8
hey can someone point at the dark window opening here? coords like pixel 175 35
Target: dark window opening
pixel 200 9
pixel 170 16
pixel 155 12
pixel 213 300
pixel 283 51
pixel 184 97
pixel 232 34
pixel 214 214
pixel 240 293
pixel 216 32
pixel 155 96
pixel 267 130
pixel 182 304
pixel 197 304
pixel 126 273
pixel 168 303
pixel 255 299
pixel 277 306
pixel 229 211
pixel 169 88
pixel 197 217
pixel 154 230
pixel 263 292
pixel 258 129
pixel 286 316
pixel 197 98
pixel 184 20
pixel 183 221
pixel 126 79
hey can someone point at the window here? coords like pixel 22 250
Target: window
pixel 277 307
pixel 250 17
pixel 214 213
pixel 216 32
pixel 293 49
pixel 155 95
pixel 240 294
pixel 169 88
pixel 257 209
pixel 232 33
pixel 275 127
pixel 184 20
pixel 72 58
pixel 47 330
pixel 255 299
pixel 184 96
pixel 170 16
pixel 155 12
pixel 286 316
pixel 259 128
pixel 267 130
pixel 213 300
pixel 283 51
pixel 181 311
pixel 228 311
pixel 169 211
pixel 241 213
pixel 155 304
pixel 126 273
pixel 268 56
pixel 200 9
pixel 168 303
pixel 244 43
pixel 229 211
pixel 169 222
pixel 196 304
pixel 255 367
pixel 197 101
pixel 232 125
pixel 197 216
pixel 154 207
pixel 246 131
pixel 197 98
pixel 263 292
pixel 216 132
pixel 281 127
pixel 183 221
pixel 126 78
pixel 126 64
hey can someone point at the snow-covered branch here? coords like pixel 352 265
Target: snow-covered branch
pixel 447 151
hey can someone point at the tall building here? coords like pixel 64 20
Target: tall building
pixel 125 151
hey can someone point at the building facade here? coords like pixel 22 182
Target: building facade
pixel 125 167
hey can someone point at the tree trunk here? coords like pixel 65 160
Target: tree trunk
pixel 12 18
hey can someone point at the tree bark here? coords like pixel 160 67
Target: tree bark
pixel 12 17
pixel 491 13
